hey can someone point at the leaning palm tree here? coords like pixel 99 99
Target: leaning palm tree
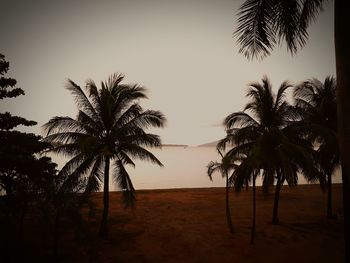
pixel 268 128
pixel 109 129
pixel 224 168
pixel 264 23
pixel 317 103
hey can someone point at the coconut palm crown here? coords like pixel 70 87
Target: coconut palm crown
pixel 109 129
pixel 264 134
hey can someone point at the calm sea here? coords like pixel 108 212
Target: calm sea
pixel 183 168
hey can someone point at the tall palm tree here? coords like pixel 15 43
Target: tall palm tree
pixel 264 23
pixel 269 129
pixel 224 168
pixel 318 105
pixel 109 129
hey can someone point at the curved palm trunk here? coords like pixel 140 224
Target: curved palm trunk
pixel 228 212
pixel 329 197
pixel 254 206
pixel 342 55
pixel 104 226
pixel 275 219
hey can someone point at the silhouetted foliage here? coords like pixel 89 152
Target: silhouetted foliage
pixel 7 85
pixel 225 167
pixel 268 142
pixel 8 122
pixel 109 128
pixel 264 23
pixel 318 109
pixel 59 208
pixel 20 167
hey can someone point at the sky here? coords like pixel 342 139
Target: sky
pixel 182 51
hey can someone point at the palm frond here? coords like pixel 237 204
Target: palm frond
pixel 264 23
pixel 95 178
pixel 124 96
pixel 92 127
pixel 287 25
pixel 92 91
pixel 65 137
pixel 66 150
pixel 213 167
pixel 228 140
pixel 124 182
pixel 239 119
pixel 255 33
pixel 60 124
pixel 248 134
pixel 240 151
pixel 71 165
pixel 309 12
pixel 114 80
pixel 281 94
pixel 132 112
pixel 143 139
pixel 124 158
pixel 82 100
pixel 140 153
pixel 80 169
pixel 146 119
pixel 243 174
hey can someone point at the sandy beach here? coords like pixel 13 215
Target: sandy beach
pixel 189 225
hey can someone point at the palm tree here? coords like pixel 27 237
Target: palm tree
pixel 109 128
pixel 269 130
pixel 264 23
pixel 55 202
pixel 224 168
pixel 318 105
pixel 244 152
pixel 245 173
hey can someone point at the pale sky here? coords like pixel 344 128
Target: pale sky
pixel 182 51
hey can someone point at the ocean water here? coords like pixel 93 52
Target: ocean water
pixel 184 167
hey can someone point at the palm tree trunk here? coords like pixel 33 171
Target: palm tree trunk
pixel 254 207
pixel 228 212
pixel 104 227
pixel 6 234
pixel 329 197
pixel 56 235
pixel 21 221
pixel 275 219
pixel 20 229
pixel 342 55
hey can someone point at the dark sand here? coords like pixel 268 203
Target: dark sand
pixel 189 225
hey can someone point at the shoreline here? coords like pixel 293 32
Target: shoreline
pixel 179 189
